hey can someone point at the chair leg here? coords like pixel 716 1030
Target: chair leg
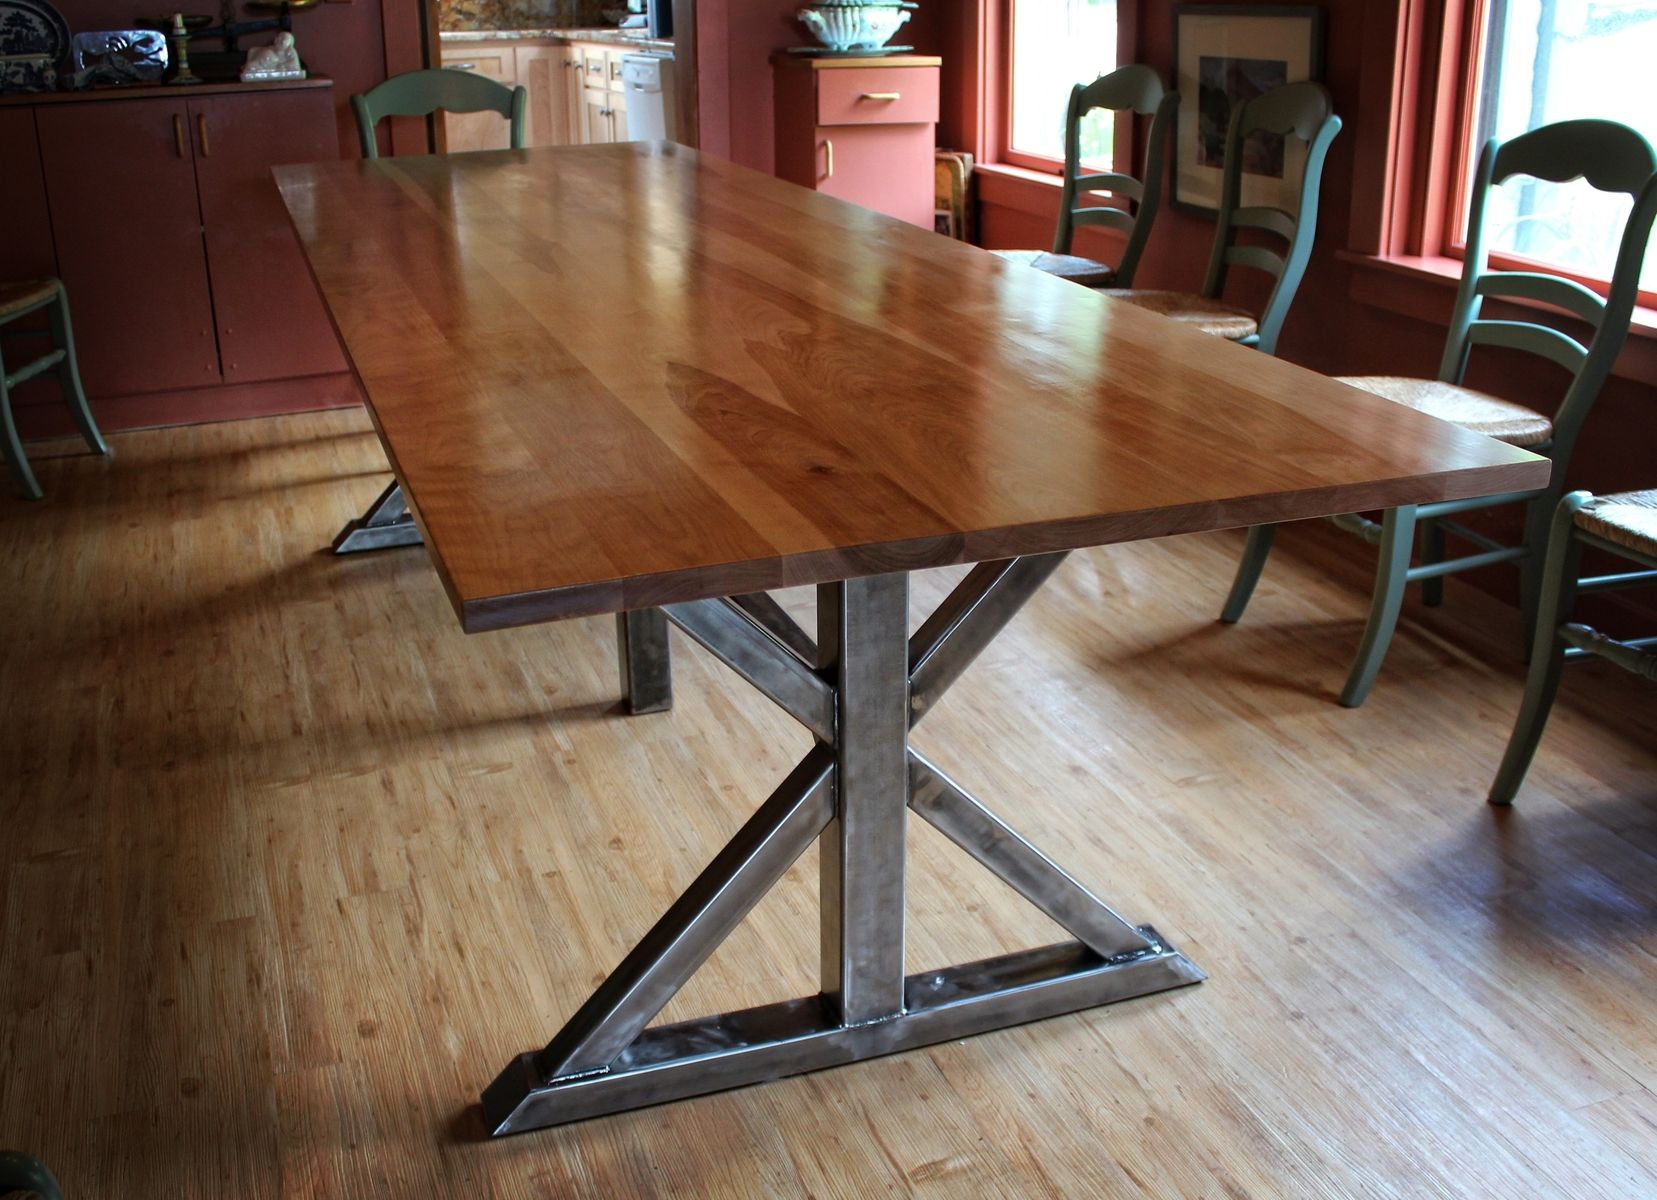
pixel 27 1173
pixel 1547 656
pixel 13 448
pixel 1397 540
pixel 1540 518
pixel 1255 552
pixel 1432 551
pixel 63 336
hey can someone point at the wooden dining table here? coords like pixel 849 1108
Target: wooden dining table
pixel 636 379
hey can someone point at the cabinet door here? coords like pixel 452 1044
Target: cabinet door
pixel 271 321
pixel 544 70
pixel 597 116
pixel 485 130
pixel 618 116
pixel 121 179
pixel 884 167
pixel 573 96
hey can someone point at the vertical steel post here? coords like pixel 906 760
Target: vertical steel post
pixel 646 663
pixel 864 624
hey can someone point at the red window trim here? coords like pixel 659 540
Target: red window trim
pixel 1432 88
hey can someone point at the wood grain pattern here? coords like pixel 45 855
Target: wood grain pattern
pixel 290 866
pixel 614 376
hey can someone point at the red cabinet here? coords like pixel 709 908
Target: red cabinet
pixel 122 184
pixel 271 322
pixel 861 129
pixel 182 268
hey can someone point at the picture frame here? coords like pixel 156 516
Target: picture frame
pixel 1225 54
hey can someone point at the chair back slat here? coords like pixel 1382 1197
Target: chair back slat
pixel 1534 339
pixel 421 93
pixel 1272 220
pixel 1563 293
pixel 1136 89
pixel 1301 110
pixel 1256 257
pixel 1119 219
pixel 1111 181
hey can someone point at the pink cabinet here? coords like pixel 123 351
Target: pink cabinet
pixel 861 129
pixel 122 185
pixel 270 318
pixel 157 208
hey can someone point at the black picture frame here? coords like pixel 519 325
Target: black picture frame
pixel 1225 53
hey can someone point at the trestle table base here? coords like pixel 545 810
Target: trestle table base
pixel 858 686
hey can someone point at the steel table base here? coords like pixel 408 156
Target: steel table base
pixel 859 686
pixel 387 523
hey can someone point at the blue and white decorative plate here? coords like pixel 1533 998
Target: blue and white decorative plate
pixel 34 40
pixel 33 27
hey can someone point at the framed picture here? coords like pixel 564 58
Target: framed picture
pixel 1225 54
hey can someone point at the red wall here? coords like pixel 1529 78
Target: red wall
pixel 346 42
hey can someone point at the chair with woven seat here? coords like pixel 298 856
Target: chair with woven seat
pixel 421 93
pixel 1611 158
pixel 1136 89
pixel 1305 111
pixel 1624 525
pixel 19 300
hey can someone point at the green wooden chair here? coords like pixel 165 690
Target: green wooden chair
pixel 421 93
pixel 1135 89
pixel 1612 158
pixel 1625 525
pixel 19 300
pixel 1302 110
pixel 25 1175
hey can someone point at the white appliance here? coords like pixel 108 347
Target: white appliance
pixel 641 78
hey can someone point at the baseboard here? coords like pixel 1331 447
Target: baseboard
pixel 49 418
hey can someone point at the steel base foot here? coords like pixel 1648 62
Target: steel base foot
pixel 387 523
pixel 712 1054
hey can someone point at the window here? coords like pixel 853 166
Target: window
pixel 1540 61
pixel 1057 44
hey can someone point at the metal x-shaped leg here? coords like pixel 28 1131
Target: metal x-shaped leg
pixel 387 523
pixel 858 687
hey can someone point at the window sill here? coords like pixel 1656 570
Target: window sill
pixel 1424 287
pixel 1020 188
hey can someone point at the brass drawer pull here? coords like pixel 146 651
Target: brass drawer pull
pixel 178 136
pixel 828 159
pixel 461 66
pixel 886 96
pixel 201 128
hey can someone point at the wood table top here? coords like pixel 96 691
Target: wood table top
pixel 611 377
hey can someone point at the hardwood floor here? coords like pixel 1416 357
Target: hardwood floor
pixel 292 866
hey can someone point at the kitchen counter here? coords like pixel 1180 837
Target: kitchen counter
pixel 636 39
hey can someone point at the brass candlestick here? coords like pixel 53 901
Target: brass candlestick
pixel 179 40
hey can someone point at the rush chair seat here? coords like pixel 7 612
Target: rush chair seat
pixel 1137 89
pixel 420 93
pixel 19 300
pixel 1624 525
pixel 1611 158
pixel 1301 110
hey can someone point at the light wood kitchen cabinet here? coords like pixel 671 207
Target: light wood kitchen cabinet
pixel 485 130
pixel 551 75
pixel 603 116
pixel 576 92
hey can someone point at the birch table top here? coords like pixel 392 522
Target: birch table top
pixel 611 377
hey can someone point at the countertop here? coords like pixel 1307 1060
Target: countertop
pixel 636 39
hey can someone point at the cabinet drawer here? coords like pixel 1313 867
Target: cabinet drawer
pixel 595 67
pixel 877 96
pixel 494 63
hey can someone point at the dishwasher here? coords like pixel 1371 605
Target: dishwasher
pixel 641 79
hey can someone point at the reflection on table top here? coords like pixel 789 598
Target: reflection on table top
pixel 615 376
